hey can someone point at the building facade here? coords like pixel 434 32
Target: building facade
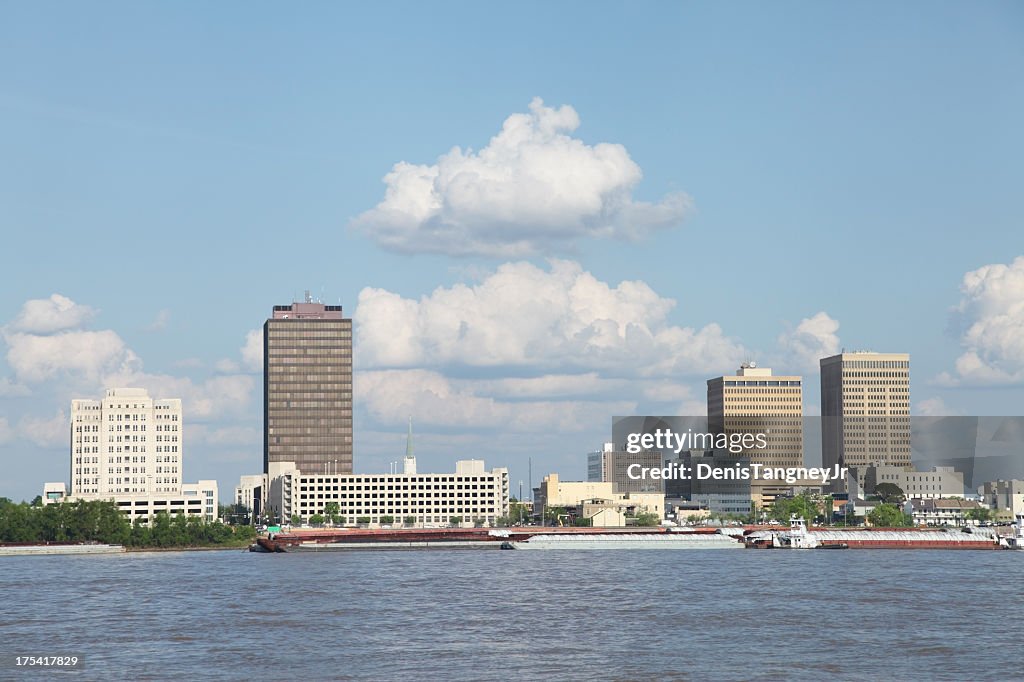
pixel 126 443
pixel 1004 496
pixel 594 496
pixel 307 388
pixel 865 409
pixel 471 494
pixel 755 401
pixel 128 448
pixel 613 465
pixel 936 483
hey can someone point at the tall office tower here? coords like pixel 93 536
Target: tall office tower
pixel 307 388
pixel 611 465
pixel 754 401
pixel 865 410
pixel 126 444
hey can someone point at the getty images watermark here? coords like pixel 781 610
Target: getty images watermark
pixel 666 439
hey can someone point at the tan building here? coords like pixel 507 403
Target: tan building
pixel 613 465
pixel 936 483
pixel 865 409
pixel 307 388
pixel 591 497
pixel 757 402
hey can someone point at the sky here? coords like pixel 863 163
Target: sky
pixel 539 217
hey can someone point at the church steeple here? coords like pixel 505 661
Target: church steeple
pixel 409 464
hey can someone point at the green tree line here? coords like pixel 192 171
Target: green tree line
pixel 101 521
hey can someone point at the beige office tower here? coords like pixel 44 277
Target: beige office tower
pixel 307 388
pixel 865 410
pixel 756 401
pixel 126 444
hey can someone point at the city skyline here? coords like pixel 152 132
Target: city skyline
pixel 526 247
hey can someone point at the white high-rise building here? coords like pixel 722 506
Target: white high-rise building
pixel 127 448
pixel 126 443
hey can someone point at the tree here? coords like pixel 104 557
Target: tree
pixel 455 521
pixel 410 520
pixel 979 514
pixel 331 511
pixel 890 493
pixel 362 520
pixel 316 519
pixel 803 505
pixel 647 519
pixel 889 516
pixel 387 519
pixel 296 520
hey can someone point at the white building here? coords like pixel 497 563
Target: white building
pixel 471 494
pixel 127 443
pixel 1004 496
pixel 128 448
pixel 936 483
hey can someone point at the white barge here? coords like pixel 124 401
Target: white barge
pixel 627 541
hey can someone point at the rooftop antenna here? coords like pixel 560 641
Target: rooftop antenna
pixel 309 299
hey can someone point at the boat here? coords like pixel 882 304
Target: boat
pixel 1015 541
pixel 797 537
pixel 626 541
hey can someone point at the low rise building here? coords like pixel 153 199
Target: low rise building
pixel 941 482
pixel 596 500
pixel 951 512
pixel 470 494
pixel 1004 497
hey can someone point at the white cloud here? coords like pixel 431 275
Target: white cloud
pixel 390 396
pixel 814 338
pixel 533 188
pixel 252 351
pixel 933 407
pixel 226 366
pixel 36 358
pixel 562 318
pixel 990 319
pixel 215 397
pixel 46 432
pixel 46 315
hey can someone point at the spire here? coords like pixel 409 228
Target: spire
pixel 409 463
pixel 408 440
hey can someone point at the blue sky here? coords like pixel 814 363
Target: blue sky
pixel 171 171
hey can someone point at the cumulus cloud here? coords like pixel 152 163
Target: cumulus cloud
pixel 46 315
pixel 933 407
pixel 389 396
pixel 46 432
pixel 93 360
pixel 526 316
pixel 533 187
pixel 36 358
pixel 814 338
pixel 990 321
pixel 252 351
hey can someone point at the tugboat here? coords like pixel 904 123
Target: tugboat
pixel 1016 541
pixel 797 537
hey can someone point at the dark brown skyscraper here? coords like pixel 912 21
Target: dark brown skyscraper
pixel 307 388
